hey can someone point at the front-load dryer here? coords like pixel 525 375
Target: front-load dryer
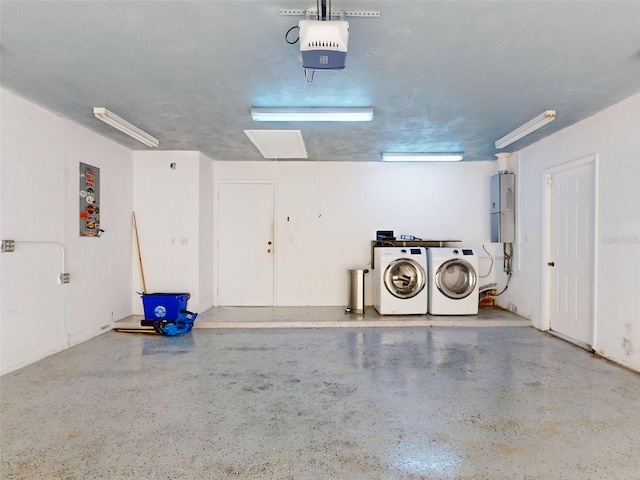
pixel 400 280
pixel 453 281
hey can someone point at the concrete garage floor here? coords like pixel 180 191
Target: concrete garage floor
pixel 441 402
pixel 332 317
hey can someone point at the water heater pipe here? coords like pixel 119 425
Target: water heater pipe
pixel 503 161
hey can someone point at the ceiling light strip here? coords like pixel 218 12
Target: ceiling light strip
pixel 313 114
pixel 121 124
pixel 421 157
pixel 524 130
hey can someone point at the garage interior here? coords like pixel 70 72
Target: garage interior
pixel 276 380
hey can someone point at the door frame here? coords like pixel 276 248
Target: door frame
pixel 547 216
pixel 216 236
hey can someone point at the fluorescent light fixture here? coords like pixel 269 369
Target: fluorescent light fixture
pixel 313 114
pixel 524 130
pixel 421 157
pixel 121 124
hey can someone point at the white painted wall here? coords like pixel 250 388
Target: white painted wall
pixel 205 260
pixel 333 211
pixel 40 153
pixel 614 136
pixel 335 208
pixel 170 205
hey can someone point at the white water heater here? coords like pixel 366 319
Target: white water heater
pixel 503 211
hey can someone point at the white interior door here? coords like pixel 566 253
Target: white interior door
pixel 571 263
pixel 245 244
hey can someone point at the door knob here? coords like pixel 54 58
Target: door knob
pixel 269 243
pixel 269 250
pixel 551 264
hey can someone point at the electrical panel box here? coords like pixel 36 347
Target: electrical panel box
pixel 503 211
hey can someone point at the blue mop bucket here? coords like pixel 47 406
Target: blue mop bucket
pixel 164 306
pixel 167 313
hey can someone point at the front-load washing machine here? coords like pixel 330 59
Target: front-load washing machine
pixel 453 281
pixel 400 280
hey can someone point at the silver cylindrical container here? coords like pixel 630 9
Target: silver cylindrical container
pixel 355 299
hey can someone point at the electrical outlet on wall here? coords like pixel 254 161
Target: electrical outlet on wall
pixel 8 246
pixel 64 278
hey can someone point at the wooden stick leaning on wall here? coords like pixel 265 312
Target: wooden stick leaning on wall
pixel 135 229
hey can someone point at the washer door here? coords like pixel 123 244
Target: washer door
pixel 404 278
pixel 456 278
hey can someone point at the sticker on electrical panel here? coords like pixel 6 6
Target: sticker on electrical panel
pixel 89 192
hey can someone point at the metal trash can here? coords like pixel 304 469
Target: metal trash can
pixel 355 302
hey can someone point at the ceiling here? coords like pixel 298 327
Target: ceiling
pixel 442 76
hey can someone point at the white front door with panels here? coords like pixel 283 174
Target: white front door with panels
pixel 571 263
pixel 245 244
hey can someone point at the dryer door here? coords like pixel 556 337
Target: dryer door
pixel 404 278
pixel 456 278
